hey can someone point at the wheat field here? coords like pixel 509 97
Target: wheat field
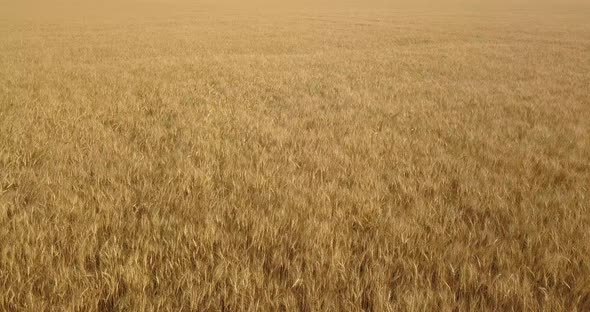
pixel 192 156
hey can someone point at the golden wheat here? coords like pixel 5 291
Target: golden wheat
pixel 187 157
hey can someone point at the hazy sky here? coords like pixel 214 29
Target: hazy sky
pixel 89 8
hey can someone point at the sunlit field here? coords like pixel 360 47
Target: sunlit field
pixel 266 157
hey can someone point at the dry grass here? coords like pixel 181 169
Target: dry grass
pixel 184 158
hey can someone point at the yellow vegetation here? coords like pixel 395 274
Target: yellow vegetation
pixel 176 156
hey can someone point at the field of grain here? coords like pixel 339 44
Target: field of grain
pixel 185 157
